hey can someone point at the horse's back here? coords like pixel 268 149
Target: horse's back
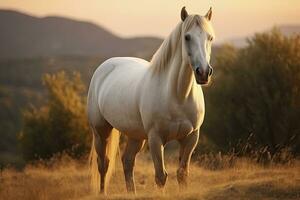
pixel 124 61
pixel 119 70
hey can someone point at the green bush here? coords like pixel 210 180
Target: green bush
pixel 60 125
pixel 256 90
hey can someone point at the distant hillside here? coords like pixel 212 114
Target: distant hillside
pixel 287 30
pixel 24 36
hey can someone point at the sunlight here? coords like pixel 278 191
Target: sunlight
pixel 158 17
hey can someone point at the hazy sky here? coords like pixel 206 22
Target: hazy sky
pixel 231 18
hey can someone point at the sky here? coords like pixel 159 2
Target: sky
pixel 127 18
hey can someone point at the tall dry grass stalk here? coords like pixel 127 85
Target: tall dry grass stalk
pixel 69 179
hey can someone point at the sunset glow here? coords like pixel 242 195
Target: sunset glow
pixel 231 18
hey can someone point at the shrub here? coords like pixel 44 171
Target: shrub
pixel 256 91
pixel 60 125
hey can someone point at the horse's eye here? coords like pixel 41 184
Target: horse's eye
pixel 187 37
pixel 210 38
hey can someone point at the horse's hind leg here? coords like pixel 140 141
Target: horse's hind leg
pixel 187 146
pixel 128 160
pixel 101 135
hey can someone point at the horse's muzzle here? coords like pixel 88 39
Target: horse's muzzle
pixel 203 76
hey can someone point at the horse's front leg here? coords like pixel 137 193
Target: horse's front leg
pixel 157 153
pixel 187 146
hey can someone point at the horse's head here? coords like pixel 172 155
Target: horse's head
pixel 197 39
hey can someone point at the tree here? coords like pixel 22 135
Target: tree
pixel 257 90
pixel 59 125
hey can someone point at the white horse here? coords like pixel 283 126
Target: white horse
pixel 157 101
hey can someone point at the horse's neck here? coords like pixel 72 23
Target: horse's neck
pixel 180 77
pixel 172 67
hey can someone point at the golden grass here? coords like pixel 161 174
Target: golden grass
pixel 69 180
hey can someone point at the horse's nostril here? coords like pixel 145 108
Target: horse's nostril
pixel 198 71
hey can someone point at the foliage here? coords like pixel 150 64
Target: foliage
pixel 256 91
pixel 21 86
pixel 59 125
pixel 248 151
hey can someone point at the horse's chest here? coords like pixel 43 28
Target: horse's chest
pixel 178 129
pixel 184 122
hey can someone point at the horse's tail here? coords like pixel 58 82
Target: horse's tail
pixel 111 153
pixel 95 176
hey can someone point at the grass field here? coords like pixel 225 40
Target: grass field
pixel 69 179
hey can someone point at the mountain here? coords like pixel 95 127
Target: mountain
pixel 287 30
pixel 25 36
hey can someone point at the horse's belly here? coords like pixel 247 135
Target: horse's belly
pixel 132 128
pixel 123 115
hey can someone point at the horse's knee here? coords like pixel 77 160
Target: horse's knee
pixel 161 179
pixel 182 176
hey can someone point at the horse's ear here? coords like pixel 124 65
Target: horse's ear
pixel 209 14
pixel 184 13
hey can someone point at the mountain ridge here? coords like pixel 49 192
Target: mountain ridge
pixel 26 36
pixel 285 29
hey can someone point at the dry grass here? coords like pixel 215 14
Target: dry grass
pixel 69 180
